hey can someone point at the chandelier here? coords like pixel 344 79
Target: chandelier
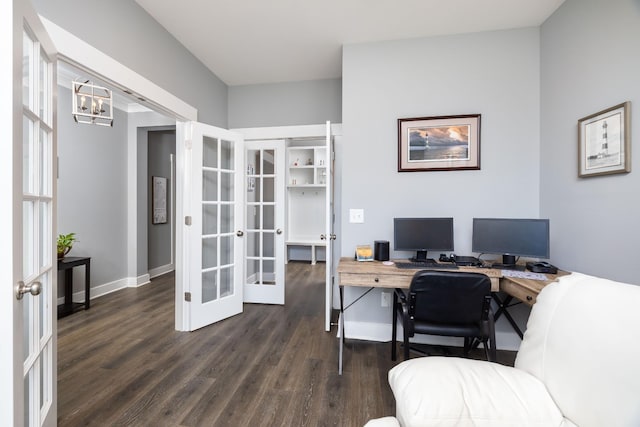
pixel 92 104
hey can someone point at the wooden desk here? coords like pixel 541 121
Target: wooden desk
pixel 67 264
pixel 375 274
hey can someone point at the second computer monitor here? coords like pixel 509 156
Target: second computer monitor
pixel 511 237
pixel 422 235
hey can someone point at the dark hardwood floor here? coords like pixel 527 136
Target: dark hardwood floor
pixel 122 363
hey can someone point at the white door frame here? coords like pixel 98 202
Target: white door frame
pixel 80 54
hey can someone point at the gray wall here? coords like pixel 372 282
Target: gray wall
pixel 92 191
pixel 495 74
pixel 125 32
pixel 161 145
pixel 589 62
pixel 285 104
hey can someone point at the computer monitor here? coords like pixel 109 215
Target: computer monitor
pixel 511 237
pixel 422 235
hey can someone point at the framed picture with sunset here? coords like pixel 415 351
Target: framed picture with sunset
pixel 440 143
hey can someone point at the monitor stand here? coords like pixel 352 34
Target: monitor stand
pixel 508 263
pixel 499 266
pixel 421 256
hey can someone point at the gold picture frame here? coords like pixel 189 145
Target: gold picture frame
pixel 604 142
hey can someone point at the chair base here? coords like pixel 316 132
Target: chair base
pixel 429 349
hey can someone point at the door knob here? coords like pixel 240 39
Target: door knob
pixel 21 289
pixel 278 231
pixel 333 236
pixel 239 233
pixel 323 237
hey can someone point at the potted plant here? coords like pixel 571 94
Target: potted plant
pixel 65 243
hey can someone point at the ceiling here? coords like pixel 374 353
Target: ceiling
pixel 268 41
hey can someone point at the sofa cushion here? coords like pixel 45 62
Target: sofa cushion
pixel 582 341
pixel 448 391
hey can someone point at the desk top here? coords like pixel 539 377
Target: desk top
pixel 375 273
pixel 350 266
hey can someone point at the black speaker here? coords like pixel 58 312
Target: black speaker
pixel 381 250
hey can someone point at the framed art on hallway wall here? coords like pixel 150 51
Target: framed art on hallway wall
pixel 159 200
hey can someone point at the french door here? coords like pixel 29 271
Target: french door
pixel 330 235
pixel 265 245
pixel 27 257
pixel 213 205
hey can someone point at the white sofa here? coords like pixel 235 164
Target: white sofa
pixel 578 365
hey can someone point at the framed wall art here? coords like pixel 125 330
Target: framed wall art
pixel 439 143
pixel 604 142
pixel 159 200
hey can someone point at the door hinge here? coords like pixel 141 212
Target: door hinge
pixel 187 220
pixel 187 296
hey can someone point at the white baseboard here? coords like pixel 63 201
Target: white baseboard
pixel 107 288
pixel 381 332
pixel 159 271
pixel 134 282
pixel 368 331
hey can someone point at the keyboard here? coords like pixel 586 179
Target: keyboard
pixel 425 266
pixel 524 275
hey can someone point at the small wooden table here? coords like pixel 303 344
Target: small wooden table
pixel 67 264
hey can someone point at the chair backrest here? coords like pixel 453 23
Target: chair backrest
pixel 583 342
pixel 449 297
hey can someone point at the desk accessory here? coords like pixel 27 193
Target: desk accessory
pixel 542 267
pixel 364 253
pixel 381 250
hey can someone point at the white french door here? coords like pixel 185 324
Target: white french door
pixel 265 245
pixel 27 259
pixel 213 204
pixel 329 233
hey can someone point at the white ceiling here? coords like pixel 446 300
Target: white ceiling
pixel 267 41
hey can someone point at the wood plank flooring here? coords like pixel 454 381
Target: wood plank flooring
pixel 121 363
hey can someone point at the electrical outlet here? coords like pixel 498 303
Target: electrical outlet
pixel 356 216
pixel 385 299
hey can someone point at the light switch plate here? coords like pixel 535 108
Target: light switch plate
pixel 356 216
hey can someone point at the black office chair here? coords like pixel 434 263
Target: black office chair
pixel 446 303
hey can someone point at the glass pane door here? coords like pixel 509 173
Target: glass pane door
pixel 264 265
pixel 38 310
pixel 215 237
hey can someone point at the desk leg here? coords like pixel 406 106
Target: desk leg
pixel 341 329
pixel 87 282
pixel 502 309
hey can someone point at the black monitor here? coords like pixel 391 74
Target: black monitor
pixel 511 237
pixel 422 235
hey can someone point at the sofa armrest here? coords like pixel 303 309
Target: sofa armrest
pixel 450 391
pixel 383 422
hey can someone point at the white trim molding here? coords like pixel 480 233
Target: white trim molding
pixel 80 54
pixel 159 271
